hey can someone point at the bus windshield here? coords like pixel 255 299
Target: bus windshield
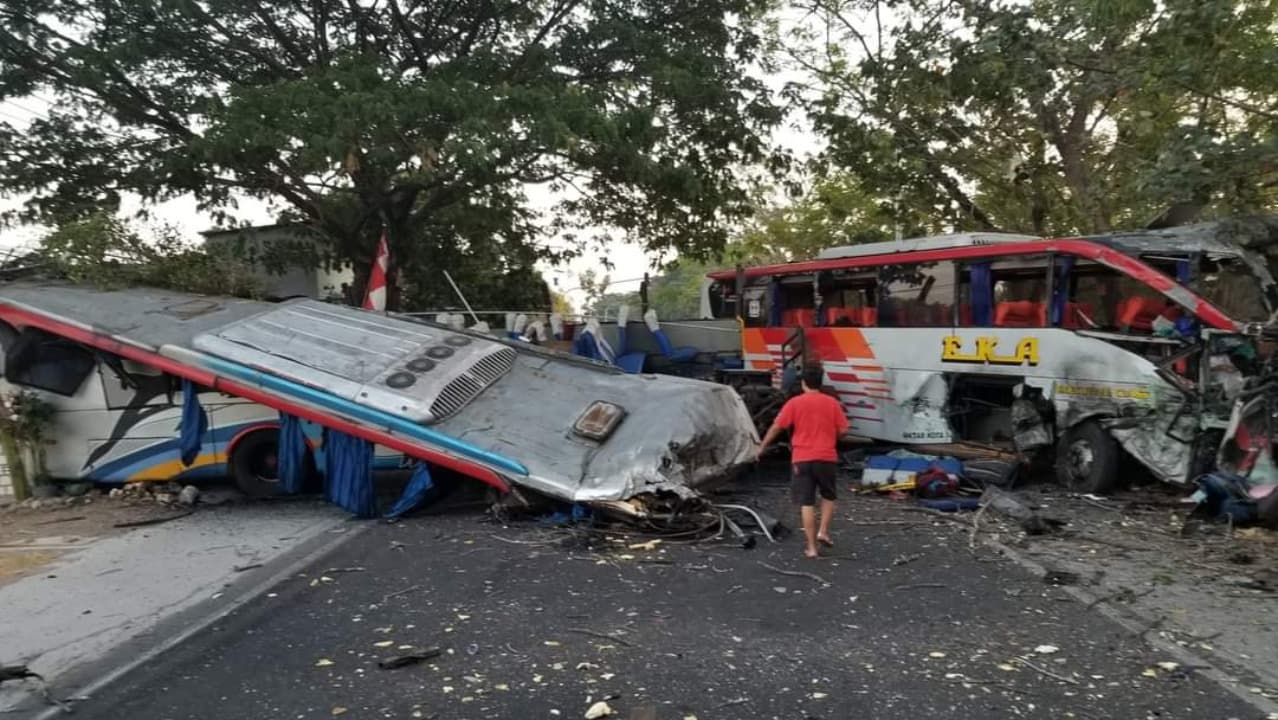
pixel 1234 288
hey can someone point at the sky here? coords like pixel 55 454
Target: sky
pixel 629 261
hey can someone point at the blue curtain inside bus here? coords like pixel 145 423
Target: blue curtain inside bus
pixel 348 482
pixel 1184 271
pixel 774 304
pixel 194 424
pixel 292 454
pixel 982 281
pixel 418 485
pixel 1060 288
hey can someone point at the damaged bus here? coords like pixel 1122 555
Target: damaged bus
pixel 504 413
pixel 1080 349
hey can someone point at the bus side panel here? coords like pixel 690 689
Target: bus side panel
pixel 893 381
pixel 142 445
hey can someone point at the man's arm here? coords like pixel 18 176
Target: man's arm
pixel 768 439
pixel 783 422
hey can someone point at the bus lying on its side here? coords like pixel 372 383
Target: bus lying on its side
pixel 1077 347
pixel 504 413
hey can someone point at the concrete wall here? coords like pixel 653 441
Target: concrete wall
pixel 308 281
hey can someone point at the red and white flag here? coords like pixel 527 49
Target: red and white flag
pixel 375 295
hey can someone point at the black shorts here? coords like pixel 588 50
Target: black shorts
pixel 809 477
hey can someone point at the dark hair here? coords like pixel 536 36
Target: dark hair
pixel 812 376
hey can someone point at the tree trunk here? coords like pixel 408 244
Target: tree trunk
pixel 1070 141
pixel 397 240
pixel 1079 179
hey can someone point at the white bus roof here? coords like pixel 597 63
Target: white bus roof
pixel 932 242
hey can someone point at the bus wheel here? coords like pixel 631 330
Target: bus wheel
pixel 255 464
pixel 1087 459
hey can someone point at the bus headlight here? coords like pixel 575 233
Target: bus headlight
pixel 599 420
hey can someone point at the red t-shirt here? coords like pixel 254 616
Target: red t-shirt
pixel 815 421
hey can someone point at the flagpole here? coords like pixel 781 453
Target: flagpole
pixel 457 290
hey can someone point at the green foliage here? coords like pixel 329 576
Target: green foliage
pixel 838 210
pixel 676 293
pixel 428 117
pixel 560 303
pixel 102 250
pixel 1051 116
pixel 599 301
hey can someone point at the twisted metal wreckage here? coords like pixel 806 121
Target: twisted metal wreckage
pixel 505 413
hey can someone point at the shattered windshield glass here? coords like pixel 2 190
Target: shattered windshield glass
pixel 1232 287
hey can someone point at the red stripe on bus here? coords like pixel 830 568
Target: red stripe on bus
pixel 1073 246
pixel 19 316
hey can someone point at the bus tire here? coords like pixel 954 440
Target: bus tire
pixel 255 464
pixel 1087 459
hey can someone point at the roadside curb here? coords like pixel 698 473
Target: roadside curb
pixel 86 681
pixel 1140 625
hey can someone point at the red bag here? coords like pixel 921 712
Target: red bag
pixel 936 483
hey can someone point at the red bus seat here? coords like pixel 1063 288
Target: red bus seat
pixel 842 316
pixel 1138 313
pixel 1073 318
pixel 850 317
pixel 798 317
pixel 942 315
pixel 1020 313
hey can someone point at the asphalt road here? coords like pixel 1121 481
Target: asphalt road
pixel 905 622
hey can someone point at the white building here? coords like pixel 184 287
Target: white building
pixel 256 243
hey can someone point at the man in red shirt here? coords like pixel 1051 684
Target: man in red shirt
pixel 815 421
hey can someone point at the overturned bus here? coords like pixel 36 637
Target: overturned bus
pixel 1077 349
pixel 508 414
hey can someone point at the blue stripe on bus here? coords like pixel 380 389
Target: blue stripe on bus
pixel 166 450
pixel 379 418
pixel 162 451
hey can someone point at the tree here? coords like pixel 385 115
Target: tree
pixel 599 301
pixel 562 304
pixel 428 117
pixel 1051 116
pixel 105 251
pixel 836 210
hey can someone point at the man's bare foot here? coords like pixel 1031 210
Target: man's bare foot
pixel 825 540
pixel 811 553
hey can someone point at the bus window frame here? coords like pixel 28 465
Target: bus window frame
pixel 930 270
pixel 961 264
pixel 1115 259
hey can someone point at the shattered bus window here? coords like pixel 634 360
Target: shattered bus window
pixel 1104 299
pixel 920 295
pixel 1229 285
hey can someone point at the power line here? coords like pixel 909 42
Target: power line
pixel 15 118
pixel 23 108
